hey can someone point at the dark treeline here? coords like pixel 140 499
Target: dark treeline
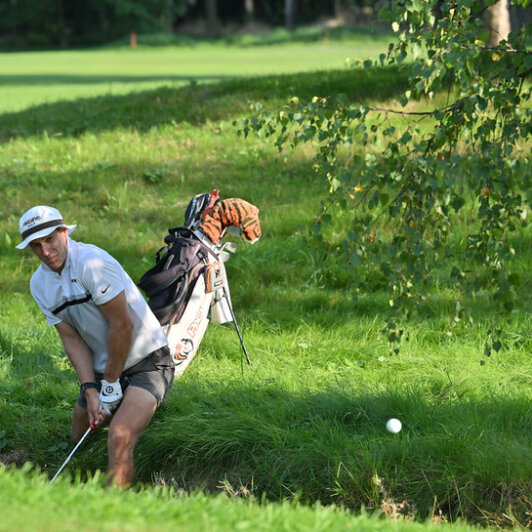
pixel 26 24
pixel 67 23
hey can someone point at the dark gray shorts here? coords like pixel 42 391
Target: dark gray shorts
pixel 154 374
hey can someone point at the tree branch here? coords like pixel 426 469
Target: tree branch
pixel 447 109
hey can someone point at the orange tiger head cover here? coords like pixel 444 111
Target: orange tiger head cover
pixel 232 211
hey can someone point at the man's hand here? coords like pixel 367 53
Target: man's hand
pixel 110 396
pixel 96 415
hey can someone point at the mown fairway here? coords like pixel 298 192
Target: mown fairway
pixel 36 77
pixel 306 424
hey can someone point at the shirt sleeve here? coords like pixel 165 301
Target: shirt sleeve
pixel 103 278
pixel 51 319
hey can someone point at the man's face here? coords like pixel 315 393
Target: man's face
pixel 52 249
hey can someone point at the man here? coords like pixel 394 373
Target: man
pixel 113 340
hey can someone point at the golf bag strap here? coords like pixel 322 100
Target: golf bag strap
pixel 193 236
pixel 156 283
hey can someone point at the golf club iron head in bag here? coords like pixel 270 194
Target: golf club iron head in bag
pixel 189 281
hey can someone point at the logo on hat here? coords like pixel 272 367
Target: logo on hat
pixel 31 221
pixel 39 222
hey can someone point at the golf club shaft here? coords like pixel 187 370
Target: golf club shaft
pixel 72 453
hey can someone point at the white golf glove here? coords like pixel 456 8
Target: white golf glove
pixel 110 396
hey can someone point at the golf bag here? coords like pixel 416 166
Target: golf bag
pixel 188 281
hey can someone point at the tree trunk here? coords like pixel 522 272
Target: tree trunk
pixel 62 24
pixel 167 16
pixel 249 6
pixel 213 23
pixel 289 14
pixel 499 22
pixel 339 12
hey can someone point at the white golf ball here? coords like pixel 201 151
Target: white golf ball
pixel 394 425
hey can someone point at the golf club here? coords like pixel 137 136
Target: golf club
pixel 73 451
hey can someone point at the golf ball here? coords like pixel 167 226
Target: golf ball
pixel 394 425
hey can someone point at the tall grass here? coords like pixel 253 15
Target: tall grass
pixel 86 506
pixel 307 422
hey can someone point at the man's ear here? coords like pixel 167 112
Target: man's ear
pixel 63 231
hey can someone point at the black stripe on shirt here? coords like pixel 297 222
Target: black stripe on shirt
pixel 72 302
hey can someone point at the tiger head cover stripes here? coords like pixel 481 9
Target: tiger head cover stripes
pixel 228 212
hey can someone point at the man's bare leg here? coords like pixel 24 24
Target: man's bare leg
pixel 132 417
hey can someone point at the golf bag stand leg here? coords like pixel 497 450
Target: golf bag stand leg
pixel 221 307
pixel 233 318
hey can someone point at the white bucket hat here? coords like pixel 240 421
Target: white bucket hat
pixel 40 221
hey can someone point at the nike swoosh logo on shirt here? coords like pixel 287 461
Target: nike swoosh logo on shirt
pixel 105 289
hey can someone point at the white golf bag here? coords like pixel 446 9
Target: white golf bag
pixel 188 285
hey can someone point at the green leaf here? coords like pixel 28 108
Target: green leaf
pixel 335 184
pixel 514 279
pixel 457 203
pixel 406 138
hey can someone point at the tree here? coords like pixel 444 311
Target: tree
pixel 249 7
pixel 290 14
pixel 498 22
pixel 211 12
pixel 339 9
pixel 77 22
pixel 411 183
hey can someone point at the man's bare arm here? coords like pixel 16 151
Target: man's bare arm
pixel 119 336
pixel 80 356
pixel 77 351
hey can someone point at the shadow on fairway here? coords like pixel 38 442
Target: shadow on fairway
pixel 63 79
pixel 453 457
pixel 195 103
pixel 458 456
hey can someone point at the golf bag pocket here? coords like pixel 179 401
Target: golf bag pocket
pixel 170 282
pixel 215 276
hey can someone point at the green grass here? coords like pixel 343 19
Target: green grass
pixel 307 422
pixel 35 78
pixel 164 509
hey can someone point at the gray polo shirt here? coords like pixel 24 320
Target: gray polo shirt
pixel 91 277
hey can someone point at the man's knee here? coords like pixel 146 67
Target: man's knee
pixel 130 419
pixel 120 437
